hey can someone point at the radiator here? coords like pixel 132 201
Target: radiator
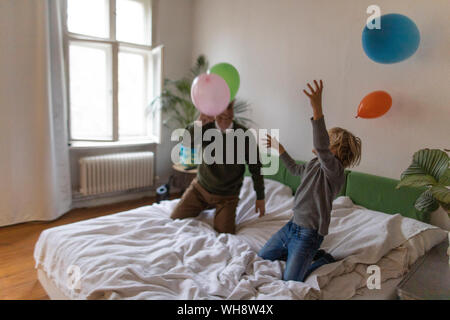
pixel 116 172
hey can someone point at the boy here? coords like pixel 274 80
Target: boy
pixel 322 179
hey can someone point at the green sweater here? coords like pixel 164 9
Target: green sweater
pixel 225 177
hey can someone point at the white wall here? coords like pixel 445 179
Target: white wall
pixel 173 28
pixel 280 45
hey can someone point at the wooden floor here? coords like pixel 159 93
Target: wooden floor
pixel 18 278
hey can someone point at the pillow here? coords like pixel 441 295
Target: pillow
pixel 366 235
pixel 420 244
pixel 359 237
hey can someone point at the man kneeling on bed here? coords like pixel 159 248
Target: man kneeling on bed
pixel 298 242
pixel 217 185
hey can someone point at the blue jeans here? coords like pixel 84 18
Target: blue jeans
pixel 297 246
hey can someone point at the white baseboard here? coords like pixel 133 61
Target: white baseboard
pixel 79 201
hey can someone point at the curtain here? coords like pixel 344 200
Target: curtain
pixel 34 159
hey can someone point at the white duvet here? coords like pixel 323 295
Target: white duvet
pixel 143 254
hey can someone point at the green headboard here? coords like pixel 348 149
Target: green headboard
pixel 380 194
pixel 370 191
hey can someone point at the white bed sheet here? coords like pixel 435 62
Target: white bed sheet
pixel 388 290
pixel 143 254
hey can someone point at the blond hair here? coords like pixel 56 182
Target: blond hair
pixel 346 146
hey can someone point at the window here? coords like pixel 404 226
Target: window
pixel 113 72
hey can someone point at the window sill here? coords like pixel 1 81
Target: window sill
pixel 79 145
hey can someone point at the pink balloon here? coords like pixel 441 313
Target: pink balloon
pixel 210 94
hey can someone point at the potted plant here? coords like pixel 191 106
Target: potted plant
pixel 175 102
pixel 430 169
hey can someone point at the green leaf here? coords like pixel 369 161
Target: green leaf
pixel 431 162
pixel 417 180
pixel 445 178
pixel 183 86
pixel 441 193
pixel 241 107
pixel 201 66
pixel 426 203
pixel 434 161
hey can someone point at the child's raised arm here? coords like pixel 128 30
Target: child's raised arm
pixel 321 140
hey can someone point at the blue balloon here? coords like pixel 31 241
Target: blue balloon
pixel 397 40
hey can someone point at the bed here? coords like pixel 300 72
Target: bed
pixel 143 254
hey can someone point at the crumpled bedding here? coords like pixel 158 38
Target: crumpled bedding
pixel 143 254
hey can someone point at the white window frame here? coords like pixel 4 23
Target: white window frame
pixel 155 56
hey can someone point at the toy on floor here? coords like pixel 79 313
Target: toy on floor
pixel 163 192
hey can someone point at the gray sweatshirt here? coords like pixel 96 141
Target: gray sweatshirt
pixel 322 180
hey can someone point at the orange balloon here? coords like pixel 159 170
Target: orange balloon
pixel 374 105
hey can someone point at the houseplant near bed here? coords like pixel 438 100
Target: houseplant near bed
pixel 175 101
pixel 430 169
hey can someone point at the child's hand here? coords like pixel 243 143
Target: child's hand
pixel 273 143
pixel 315 97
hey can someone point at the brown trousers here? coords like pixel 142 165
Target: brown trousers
pixel 196 199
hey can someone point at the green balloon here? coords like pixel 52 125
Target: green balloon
pixel 230 75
